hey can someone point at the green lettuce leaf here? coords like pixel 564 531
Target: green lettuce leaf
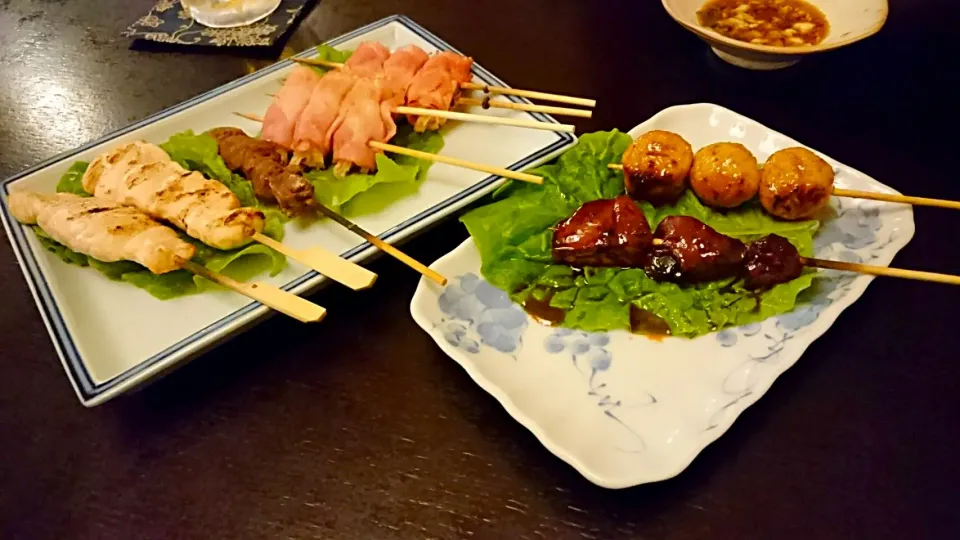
pixel 335 192
pixel 72 180
pixel 328 53
pixel 200 153
pixel 514 232
pixel 191 151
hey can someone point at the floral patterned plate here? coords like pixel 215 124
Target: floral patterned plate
pixel 623 409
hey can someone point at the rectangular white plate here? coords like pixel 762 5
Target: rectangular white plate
pixel 111 336
pixel 625 410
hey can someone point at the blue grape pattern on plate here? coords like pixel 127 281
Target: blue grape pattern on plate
pixel 481 314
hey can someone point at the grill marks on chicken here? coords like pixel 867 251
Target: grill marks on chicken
pixel 142 175
pixel 265 165
pixel 103 229
pixel 682 249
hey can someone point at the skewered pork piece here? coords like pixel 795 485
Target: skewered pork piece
pixel 363 117
pixel 367 60
pixel 656 166
pixel 612 232
pixel 143 176
pixel 281 117
pixel 103 229
pixel 437 86
pixel 399 71
pixel 264 164
pixel 312 136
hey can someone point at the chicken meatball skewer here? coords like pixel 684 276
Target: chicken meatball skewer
pixel 794 183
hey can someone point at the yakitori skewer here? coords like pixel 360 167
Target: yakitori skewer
pixel 108 231
pixel 875 196
pixel 369 237
pixel 682 249
pixel 559 98
pixel 203 208
pixel 793 183
pixel 499 171
pixel 484 119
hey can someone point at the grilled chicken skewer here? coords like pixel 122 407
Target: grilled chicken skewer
pixel 109 232
pixel 142 175
pixel 103 229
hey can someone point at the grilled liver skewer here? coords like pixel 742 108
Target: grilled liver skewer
pixel 608 232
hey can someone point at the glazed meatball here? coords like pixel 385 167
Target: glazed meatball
pixel 656 166
pixel 724 175
pixel 795 183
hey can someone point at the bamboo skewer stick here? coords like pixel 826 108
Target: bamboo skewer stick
pixel 870 269
pixel 874 196
pixel 483 119
pixel 269 295
pixel 881 271
pixel 487 103
pixel 384 246
pixel 498 171
pixel 904 199
pixel 559 98
pixel 531 94
pixel 329 264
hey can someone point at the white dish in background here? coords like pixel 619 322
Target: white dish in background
pixel 623 409
pixel 112 336
pixel 850 21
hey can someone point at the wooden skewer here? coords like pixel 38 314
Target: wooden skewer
pixel 384 246
pixel 506 173
pixel 269 295
pixel 881 271
pixel 475 86
pixel 329 264
pixel 874 196
pixel 546 109
pixel 529 94
pixel 870 269
pixel 479 118
pixel 484 119
pixel 499 171
pixel 904 199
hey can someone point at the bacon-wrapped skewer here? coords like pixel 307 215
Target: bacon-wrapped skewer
pixel 280 121
pixel 437 86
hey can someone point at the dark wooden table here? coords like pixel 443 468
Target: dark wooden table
pixel 362 428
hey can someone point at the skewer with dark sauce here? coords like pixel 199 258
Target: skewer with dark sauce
pixel 683 249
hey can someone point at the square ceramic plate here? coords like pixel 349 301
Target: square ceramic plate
pixel 625 410
pixel 111 336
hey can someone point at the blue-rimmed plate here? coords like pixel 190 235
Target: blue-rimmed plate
pixel 111 336
pixel 620 408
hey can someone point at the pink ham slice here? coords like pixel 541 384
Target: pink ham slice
pixel 312 136
pixel 364 116
pixel 368 59
pixel 437 85
pixel 280 121
pixel 399 70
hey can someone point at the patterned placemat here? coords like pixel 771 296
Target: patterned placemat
pixel 169 22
